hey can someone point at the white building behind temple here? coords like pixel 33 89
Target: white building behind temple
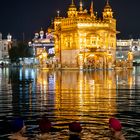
pixel 5 45
pixel 126 45
pixel 133 44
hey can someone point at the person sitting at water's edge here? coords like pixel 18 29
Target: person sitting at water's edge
pixel 18 128
pixel 116 129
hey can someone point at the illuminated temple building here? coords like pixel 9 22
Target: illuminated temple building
pixel 83 40
pixel 43 44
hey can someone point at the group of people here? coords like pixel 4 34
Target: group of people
pixel 75 128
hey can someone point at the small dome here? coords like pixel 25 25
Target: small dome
pixel 107 7
pixel 41 32
pixel 72 7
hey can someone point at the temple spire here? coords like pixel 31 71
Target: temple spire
pixel 72 2
pixel 81 5
pixel 91 9
pixel 107 1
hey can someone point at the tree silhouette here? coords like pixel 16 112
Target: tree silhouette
pixel 22 50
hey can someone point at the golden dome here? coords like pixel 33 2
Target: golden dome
pixel 82 14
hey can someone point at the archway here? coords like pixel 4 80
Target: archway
pixel 95 61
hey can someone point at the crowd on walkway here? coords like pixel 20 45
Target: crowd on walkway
pixel 17 128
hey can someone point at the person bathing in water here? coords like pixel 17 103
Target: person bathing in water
pixel 74 130
pixel 45 127
pixel 18 128
pixel 116 129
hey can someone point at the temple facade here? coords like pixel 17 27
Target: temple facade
pixel 83 40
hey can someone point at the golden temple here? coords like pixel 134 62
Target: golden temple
pixel 82 40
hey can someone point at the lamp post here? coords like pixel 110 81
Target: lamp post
pixel 109 60
pixel 60 55
pixel 9 40
pixel 130 59
pixel 44 57
pixel 59 49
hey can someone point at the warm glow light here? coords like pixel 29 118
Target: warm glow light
pixel 44 54
pixel 80 31
pixel 91 55
pixel 40 56
pixel 92 25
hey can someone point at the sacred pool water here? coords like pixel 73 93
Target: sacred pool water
pixel 89 97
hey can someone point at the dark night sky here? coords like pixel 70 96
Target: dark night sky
pixel 28 16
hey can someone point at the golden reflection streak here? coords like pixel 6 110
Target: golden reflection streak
pixel 77 93
pixel 89 91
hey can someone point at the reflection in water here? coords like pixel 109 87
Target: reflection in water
pixel 90 97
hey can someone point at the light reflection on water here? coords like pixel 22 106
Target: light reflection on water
pixel 88 97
